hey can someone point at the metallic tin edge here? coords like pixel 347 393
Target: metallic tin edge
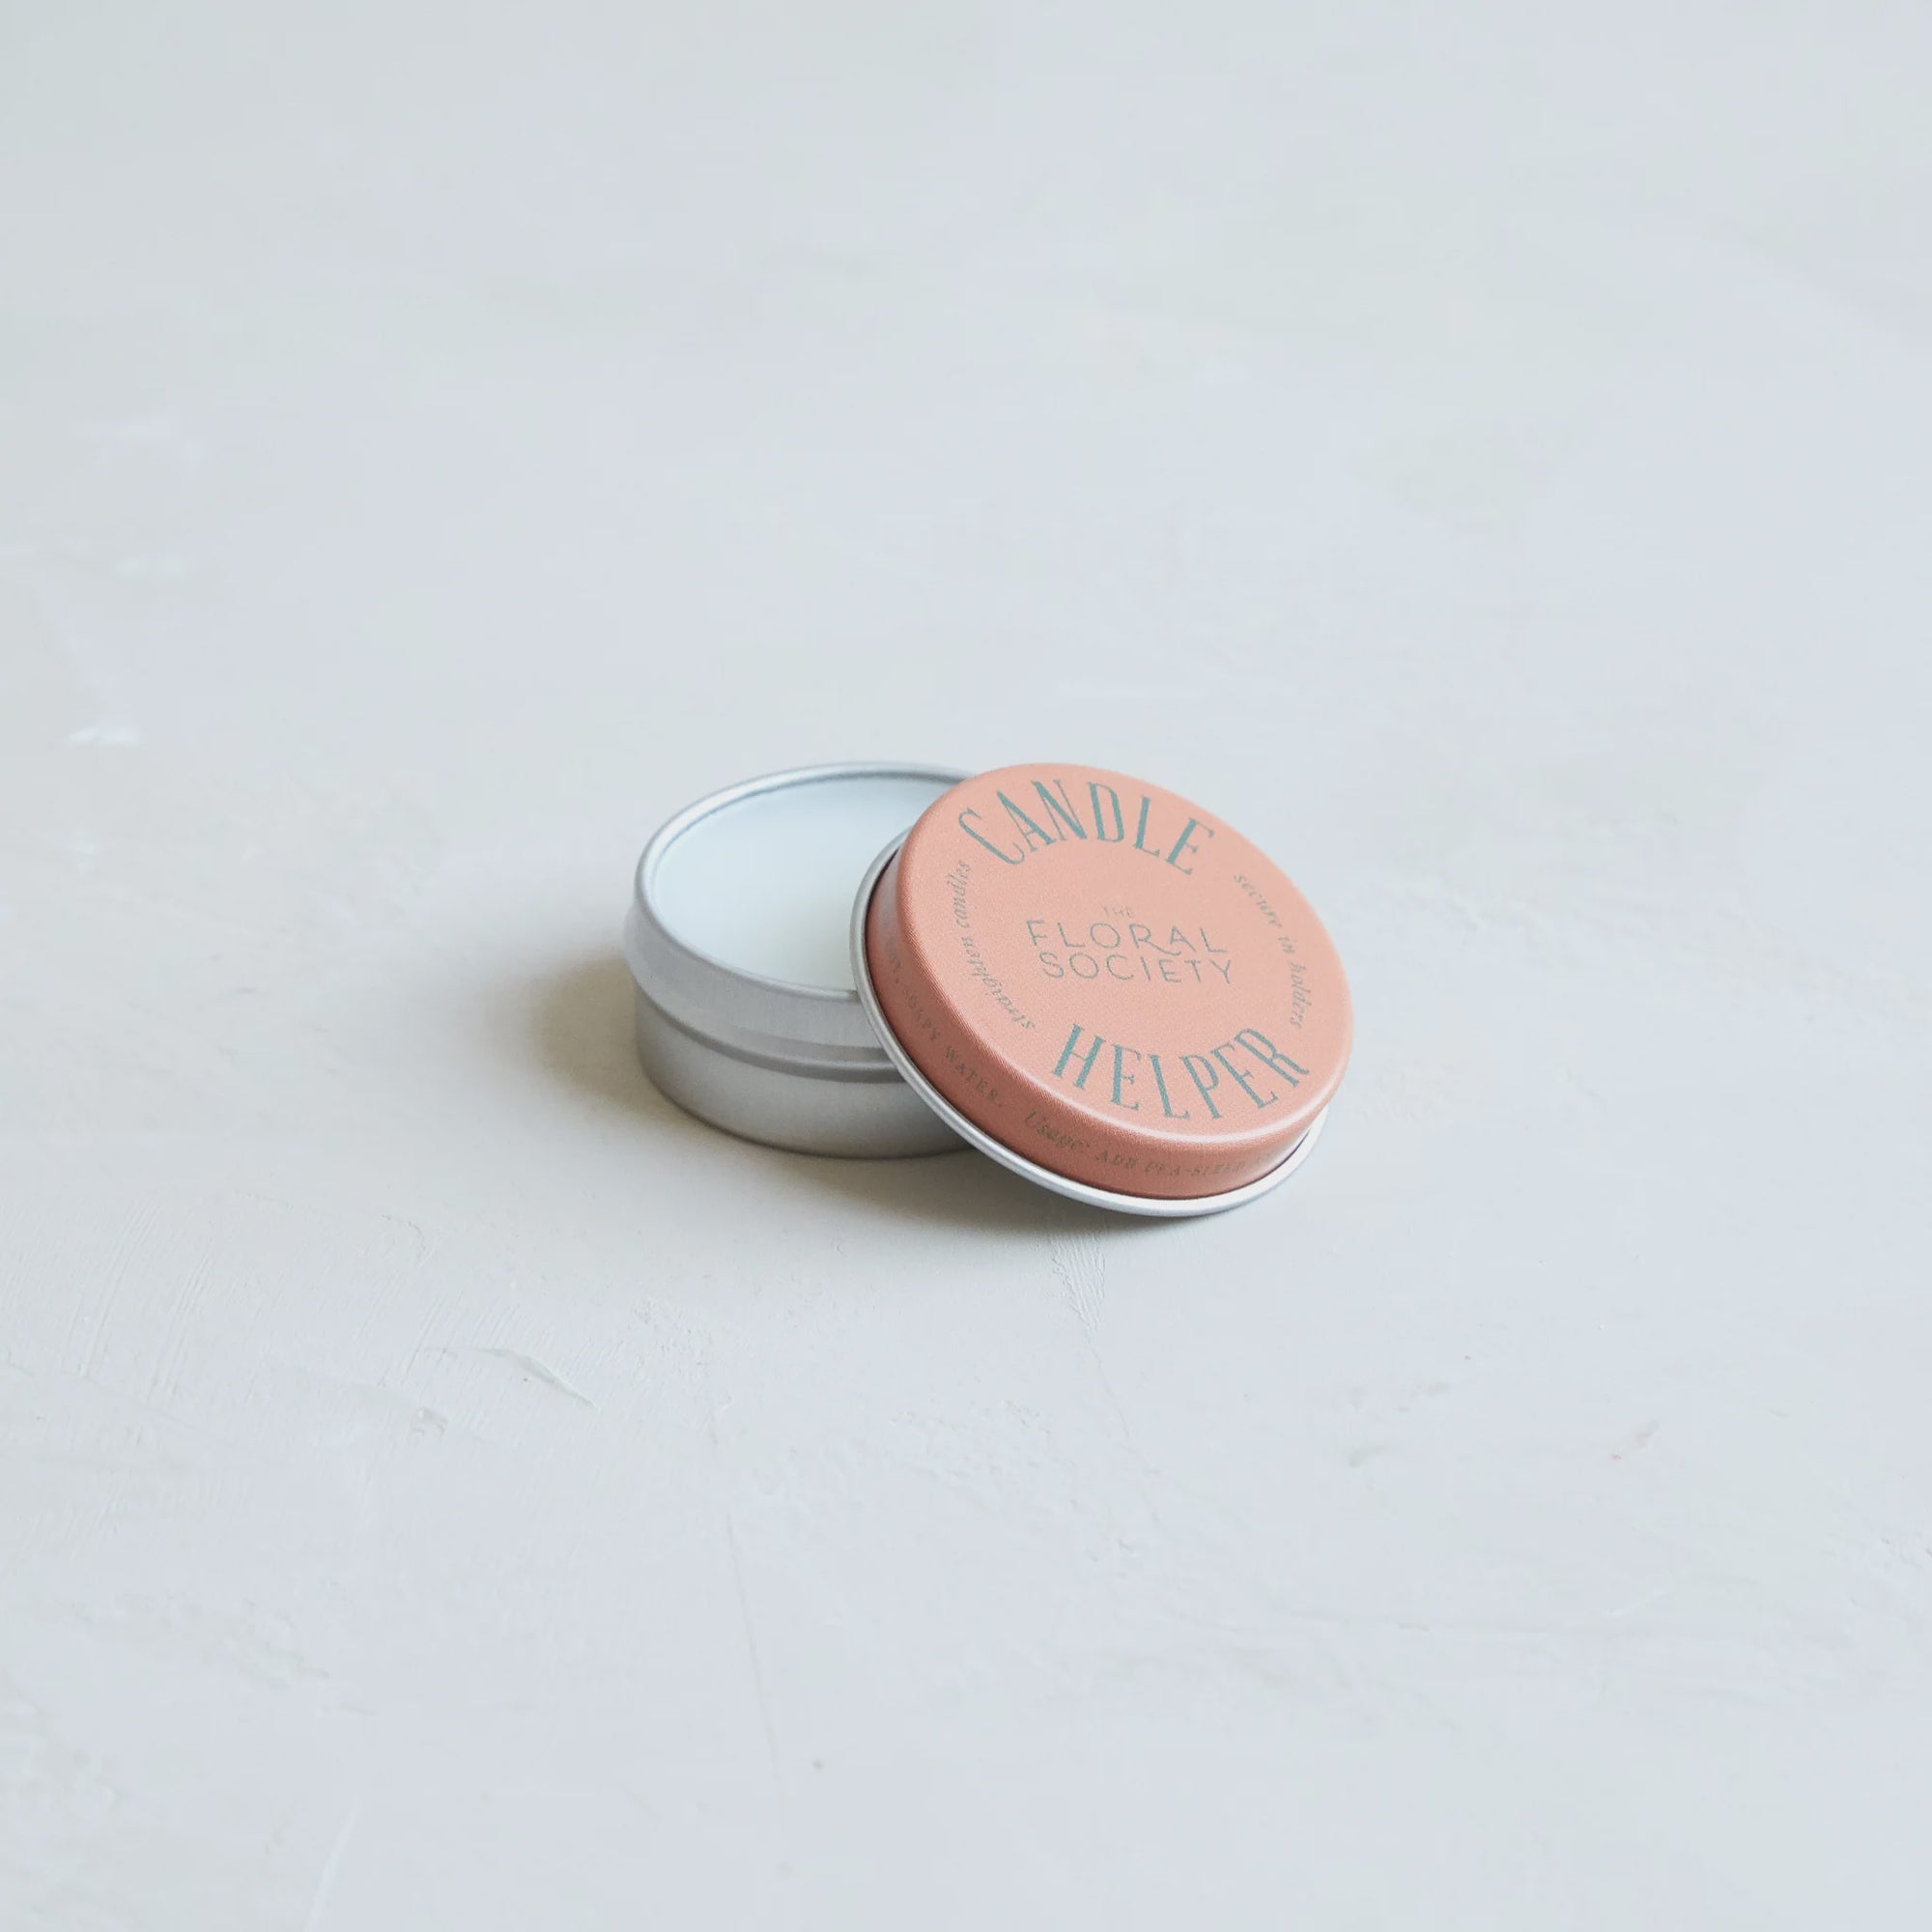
pixel 769 1025
pixel 798 1064
pixel 1150 1206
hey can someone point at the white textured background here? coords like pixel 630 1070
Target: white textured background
pixel 1482 452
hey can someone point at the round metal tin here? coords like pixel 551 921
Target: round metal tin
pixel 1154 1206
pixel 792 1065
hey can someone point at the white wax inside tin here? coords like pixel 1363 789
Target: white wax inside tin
pixel 766 885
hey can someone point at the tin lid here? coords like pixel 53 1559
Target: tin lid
pixel 1105 988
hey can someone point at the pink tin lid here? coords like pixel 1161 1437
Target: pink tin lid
pixel 1104 987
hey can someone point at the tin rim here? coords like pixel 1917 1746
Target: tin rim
pixel 1154 1207
pixel 789 1024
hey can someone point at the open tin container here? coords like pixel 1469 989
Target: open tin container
pixel 1091 980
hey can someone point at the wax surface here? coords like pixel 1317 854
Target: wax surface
pixel 767 885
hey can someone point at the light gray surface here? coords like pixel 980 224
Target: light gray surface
pixel 1482 452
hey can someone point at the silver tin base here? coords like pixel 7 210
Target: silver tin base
pixel 1154 1206
pixel 865 1116
pixel 791 1065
